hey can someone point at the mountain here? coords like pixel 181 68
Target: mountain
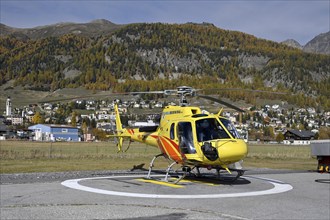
pixel 142 57
pixel 9 31
pixel 292 43
pixel 91 29
pixel 319 44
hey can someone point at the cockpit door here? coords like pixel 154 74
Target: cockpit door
pixel 185 135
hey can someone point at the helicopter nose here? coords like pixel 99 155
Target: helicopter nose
pixel 231 152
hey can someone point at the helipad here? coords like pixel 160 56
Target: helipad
pixel 138 186
pixel 258 195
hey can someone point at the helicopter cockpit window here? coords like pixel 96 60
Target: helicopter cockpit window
pixel 172 131
pixel 185 135
pixel 210 129
pixel 230 127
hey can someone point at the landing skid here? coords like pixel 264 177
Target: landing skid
pixel 152 164
pixel 169 168
pixel 239 173
pixel 188 171
pixel 232 178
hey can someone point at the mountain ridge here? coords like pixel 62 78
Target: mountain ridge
pixel 293 43
pixel 319 44
pixel 90 29
pixel 157 56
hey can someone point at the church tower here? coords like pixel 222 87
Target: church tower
pixel 8 107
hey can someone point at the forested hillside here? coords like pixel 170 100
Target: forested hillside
pixel 162 56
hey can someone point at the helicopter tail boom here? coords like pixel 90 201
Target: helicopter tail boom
pixel 146 135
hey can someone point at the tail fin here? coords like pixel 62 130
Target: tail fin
pixel 119 129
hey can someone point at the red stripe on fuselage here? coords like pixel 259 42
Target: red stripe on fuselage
pixel 131 131
pixel 171 149
pixel 154 136
pixel 161 147
pixel 173 143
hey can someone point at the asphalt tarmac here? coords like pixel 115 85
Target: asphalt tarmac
pixel 259 194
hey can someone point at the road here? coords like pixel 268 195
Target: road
pixel 265 194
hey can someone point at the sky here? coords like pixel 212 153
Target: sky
pixel 275 20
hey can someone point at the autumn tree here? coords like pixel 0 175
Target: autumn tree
pixel 269 132
pixel 279 137
pixel 84 127
pixel 324 133
pixel 74 119
pixel 99 134
pixel 38 118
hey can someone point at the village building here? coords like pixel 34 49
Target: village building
pixel 50 132
pixel 298 137
pixel 16 120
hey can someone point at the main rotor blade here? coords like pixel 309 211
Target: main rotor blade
pixel 55 99
pixel 221 102
pixel 247 90
pixel 147 92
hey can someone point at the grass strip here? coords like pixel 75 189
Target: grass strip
pixel 29 156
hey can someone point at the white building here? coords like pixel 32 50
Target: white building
pixel 8 107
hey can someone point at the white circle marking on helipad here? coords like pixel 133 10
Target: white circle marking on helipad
pixel 279 187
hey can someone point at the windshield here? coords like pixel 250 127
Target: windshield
pixel 230 127
pixel 209 129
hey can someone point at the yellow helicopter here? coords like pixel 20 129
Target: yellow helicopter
pixel 190 137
